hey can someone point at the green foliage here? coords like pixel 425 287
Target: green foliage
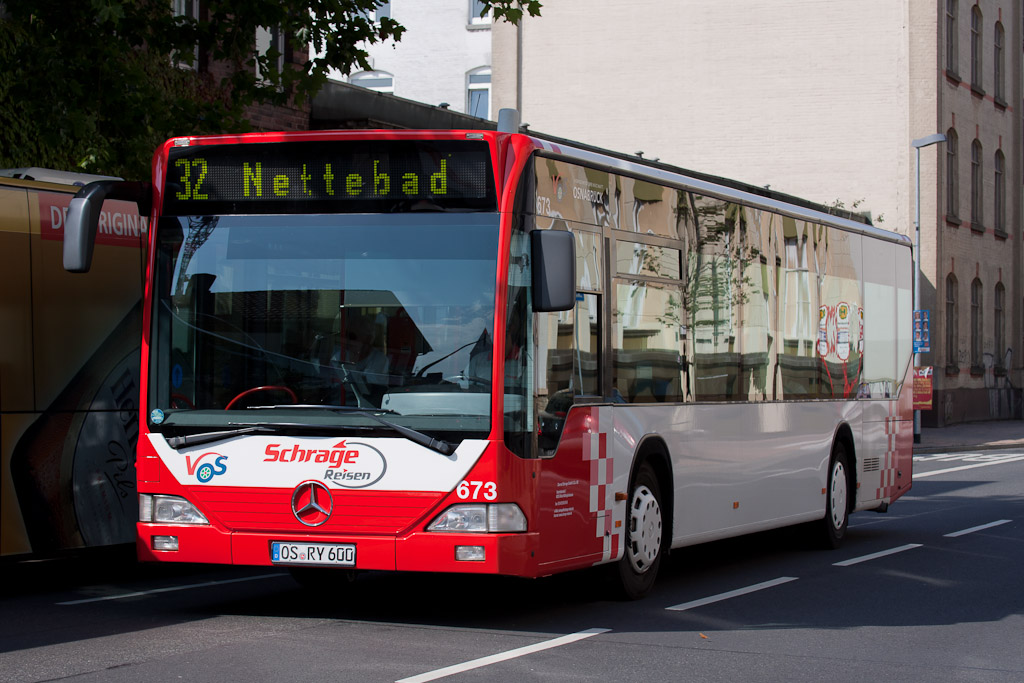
pixel 97 85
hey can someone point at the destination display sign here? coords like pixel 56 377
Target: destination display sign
pixel 330 176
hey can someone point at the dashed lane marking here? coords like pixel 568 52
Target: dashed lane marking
pixel 732 594
pixel 964 532
pixel 875 556
pixel 503 656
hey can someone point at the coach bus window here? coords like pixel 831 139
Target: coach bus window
pixel 711 290
pixel 880 310
pixel 635 258
pixel 755 304
pixel 649 209
pixel 840 317
pixel 798 311
pixel 647 342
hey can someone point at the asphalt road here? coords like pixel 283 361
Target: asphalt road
pixel 930 591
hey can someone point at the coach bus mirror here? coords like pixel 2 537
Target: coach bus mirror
pixel 554 270
pixel 84 216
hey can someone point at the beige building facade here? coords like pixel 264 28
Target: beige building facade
pixel 821 100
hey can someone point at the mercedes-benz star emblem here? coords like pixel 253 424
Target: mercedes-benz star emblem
pixel 312 503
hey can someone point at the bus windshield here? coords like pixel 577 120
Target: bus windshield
pixel 294 313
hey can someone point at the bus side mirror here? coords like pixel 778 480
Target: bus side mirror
pixel 554 270
pixel 84 216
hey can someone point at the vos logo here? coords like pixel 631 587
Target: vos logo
pixel 205 471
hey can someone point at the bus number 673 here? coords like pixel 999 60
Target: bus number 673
pixel 475 490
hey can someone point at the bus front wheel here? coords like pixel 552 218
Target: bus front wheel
pixel 645 536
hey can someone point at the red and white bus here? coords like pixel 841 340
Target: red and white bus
pixel 487 352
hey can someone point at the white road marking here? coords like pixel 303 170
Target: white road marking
pixel 875 556
pixel 503 656
pixel 923 475
pixel 964 532
pixel 169 589
pixel 732 594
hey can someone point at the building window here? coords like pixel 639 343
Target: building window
pixel 186 11
pixel 951 38
pixel 267 40
pixel 1000 192
pixel 977 169
pixel 951 322
pixel 478 93
pixel 380 81
pixel 1000 324
pixel 479 13
pixel 976 324
pixel 999 64
pixel 952 175
pixel 976 48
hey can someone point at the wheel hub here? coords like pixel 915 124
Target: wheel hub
pixel 644 530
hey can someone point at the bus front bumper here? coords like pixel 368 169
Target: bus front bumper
pixel 474 553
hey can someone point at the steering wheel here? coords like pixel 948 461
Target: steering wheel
pixel 254 390
pixel 179 400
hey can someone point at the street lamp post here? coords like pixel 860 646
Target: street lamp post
pixel 918 144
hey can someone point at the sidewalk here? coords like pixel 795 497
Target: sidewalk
pixel 972 436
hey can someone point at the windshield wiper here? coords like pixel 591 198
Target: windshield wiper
pixel 177 442
pixel 239 428
pixel 438 445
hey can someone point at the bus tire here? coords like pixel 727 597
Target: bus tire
pixel 645 537
pixel 837 499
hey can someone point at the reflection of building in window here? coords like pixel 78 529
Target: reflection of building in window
pixel 478 92
pixel 379 81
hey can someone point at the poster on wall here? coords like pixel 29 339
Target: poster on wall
pixel 923 388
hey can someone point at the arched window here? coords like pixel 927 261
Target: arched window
pixel 951 322
pixel 976 48
pixel 478 92
pixel 1000 323
pixel 1000 192
pixel 951 38
pixel 380 81
pixel 999 63
pixel 976 323
pixel 977 182
pixel 952 175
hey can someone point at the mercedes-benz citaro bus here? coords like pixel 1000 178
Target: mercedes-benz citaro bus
pixel 495 353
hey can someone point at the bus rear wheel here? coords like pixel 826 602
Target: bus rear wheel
pixel 645 537
pixel 837 499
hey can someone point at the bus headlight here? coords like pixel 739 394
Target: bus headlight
pixel 168 510
pixel 481 518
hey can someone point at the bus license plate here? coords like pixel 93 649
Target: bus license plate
pixel 326 554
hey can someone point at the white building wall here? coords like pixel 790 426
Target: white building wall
pixel 809 97
pixel 440 47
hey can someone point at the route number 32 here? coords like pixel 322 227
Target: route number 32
pixel 475 490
